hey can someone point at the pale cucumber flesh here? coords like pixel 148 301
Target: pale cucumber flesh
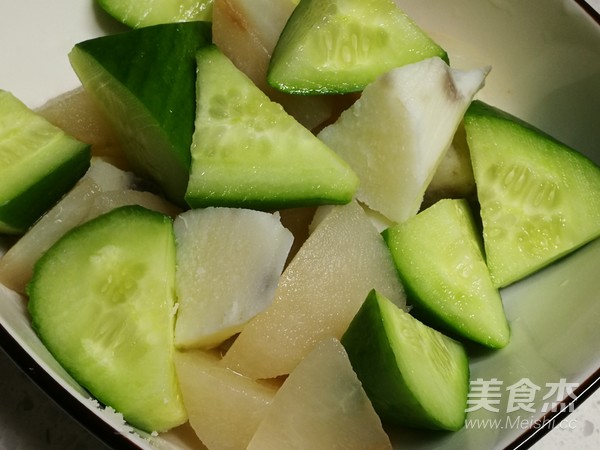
pixel 151 99
pixel 144 13
pixel 343 45
pixel 539 198
pixel 247 152
pixel 39 163
pixel 440 260
pixel 414 375
pixel 102 301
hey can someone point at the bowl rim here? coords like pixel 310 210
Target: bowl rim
pixel 91 420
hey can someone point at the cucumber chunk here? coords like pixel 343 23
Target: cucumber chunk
pixel 342 45
pixel 248 152
pixel 144 13
pixel 540 199
pixel 414 375
pixel 145 80
pixel 102 301
pixel 39 163
pixel 441 263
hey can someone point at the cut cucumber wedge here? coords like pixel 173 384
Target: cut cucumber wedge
pixel 540 199
pixel 145 80
pixel 102 301
pixel 440 261
pixel 342 45
pixel 247 152
pixel 414 375
pixel 144 13
pixel 39 163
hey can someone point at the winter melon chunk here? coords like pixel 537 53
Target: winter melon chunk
pixel 396 134
pixel 229 261
pixel 319 293
pixel 321 405
pixel 224 407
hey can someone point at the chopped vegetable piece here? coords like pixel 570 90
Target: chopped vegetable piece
pixel 247 152
pixel 439 257
pixel 39 163
pixel 413 374
pixel 540 199
pixel 102 301
pixel 342 45
pixel 145 81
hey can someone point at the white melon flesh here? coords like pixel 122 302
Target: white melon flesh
pixel 224 408
pixel 77 113
pixel 75 207
pixel 453 177
pixel 321 405
pixel 395 135
pixel 319 293
pixel 229 261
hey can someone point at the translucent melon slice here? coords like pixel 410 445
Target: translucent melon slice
pixel 321 405
pixel 224 408
pixel 78 114
pixel 229 261
pixel 396 134
pixel 319 293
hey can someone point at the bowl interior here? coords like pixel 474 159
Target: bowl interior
pixel 545 59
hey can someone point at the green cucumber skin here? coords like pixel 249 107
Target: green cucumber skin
pixel 160 74
pixel 569 219
pixel 65 318
pixel 383 383
pixel 248 152
pixel 417 271
pixel 144 13
pixel 286 75
pixel 23 210
pixel 381 378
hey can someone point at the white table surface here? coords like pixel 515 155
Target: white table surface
pixel 29 420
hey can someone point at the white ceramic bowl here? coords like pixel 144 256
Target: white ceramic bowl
pixel 545 58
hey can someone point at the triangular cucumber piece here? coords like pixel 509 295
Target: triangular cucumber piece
pixel 414 375
pixel 145 80
pixel 396 134
pixel 39 163
pixel 440 260
pixel 540 199
pixel 343 45
pixel 102 301
pixel 144 13
pixel 247 152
